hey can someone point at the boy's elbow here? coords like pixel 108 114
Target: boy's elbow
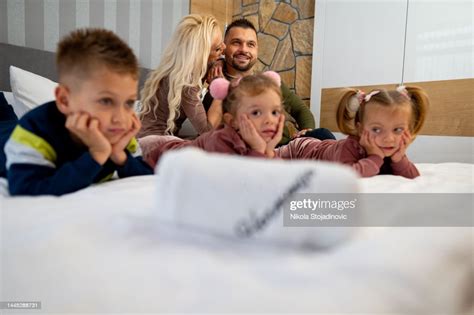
pixel 24 189
pixel 28 191
pixel 16 190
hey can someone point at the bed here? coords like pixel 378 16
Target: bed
pixel 102 250
pixel 99 250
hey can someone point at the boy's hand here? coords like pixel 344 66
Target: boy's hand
pixel 404 142
pixel 276 138
pixel 86 128
pixel 368 143
pixel 250 135
pixel 118 156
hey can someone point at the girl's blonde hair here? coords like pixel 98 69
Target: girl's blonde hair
pixel 251 85
pixel 349 115
pixel 184 62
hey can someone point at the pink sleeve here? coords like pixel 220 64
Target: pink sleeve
pixel 299 149
pixel 155 146
pixel 194 110
pixel 227 141
pixel 405 168
pixel 369 166
pixel 354 155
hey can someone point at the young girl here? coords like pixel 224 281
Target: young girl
pixel 380 126
pixel 253 120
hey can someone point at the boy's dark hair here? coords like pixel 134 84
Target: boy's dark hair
pixel 84 50
pixel 243 23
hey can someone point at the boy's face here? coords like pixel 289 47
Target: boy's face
pixel 105 95
pixel 263 111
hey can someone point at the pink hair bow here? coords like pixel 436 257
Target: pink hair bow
pixel 403 90
pixel 359 98
pixel 369 96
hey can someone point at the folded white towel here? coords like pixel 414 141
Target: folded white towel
pixel 240 197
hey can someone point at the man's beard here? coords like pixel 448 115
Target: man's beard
pixel 243 68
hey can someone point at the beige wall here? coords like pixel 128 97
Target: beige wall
pixel 221 9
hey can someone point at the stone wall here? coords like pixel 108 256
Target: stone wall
pixel 285 38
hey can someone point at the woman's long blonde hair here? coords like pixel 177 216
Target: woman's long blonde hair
pixel 184 61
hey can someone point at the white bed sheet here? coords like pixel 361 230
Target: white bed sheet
pixel 99 250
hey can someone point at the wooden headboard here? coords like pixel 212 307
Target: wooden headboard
pixel 451 112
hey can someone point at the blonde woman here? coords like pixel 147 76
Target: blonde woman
pixel 172 91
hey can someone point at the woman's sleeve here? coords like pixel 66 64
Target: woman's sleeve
pixel 194 110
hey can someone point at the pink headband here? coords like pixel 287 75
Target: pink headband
pixel 219 87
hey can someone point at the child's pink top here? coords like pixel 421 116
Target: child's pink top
pixel 224 139
pixel 347 151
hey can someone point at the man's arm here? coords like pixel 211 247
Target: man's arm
pixel 297 109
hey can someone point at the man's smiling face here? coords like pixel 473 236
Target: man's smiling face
pixel 241 48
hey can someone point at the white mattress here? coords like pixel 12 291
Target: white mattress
pixel 99 250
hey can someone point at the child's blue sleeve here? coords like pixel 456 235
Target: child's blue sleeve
pixel 134 166
pixel 33 180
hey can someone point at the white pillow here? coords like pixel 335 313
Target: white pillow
pixel 30 90
pixel 239 197
pixel 9 97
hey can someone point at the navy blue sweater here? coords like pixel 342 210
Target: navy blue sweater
pixel 43 159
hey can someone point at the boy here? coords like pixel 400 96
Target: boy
pixel 87 133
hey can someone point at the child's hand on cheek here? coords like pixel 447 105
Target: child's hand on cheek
pixel 368 143
pixel 86 128
pixel 276 138
pixel 404 142
pixel 118 156
pixel 250 135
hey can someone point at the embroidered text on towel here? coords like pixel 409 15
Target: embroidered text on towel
pixel 248 227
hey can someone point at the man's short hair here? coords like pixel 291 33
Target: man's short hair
pixel 243 23
pixel 84 50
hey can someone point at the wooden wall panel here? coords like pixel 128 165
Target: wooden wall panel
pixel 221 9
pixel 451 112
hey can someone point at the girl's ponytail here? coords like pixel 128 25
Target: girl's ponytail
pixel 420 104
pixel 347 112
